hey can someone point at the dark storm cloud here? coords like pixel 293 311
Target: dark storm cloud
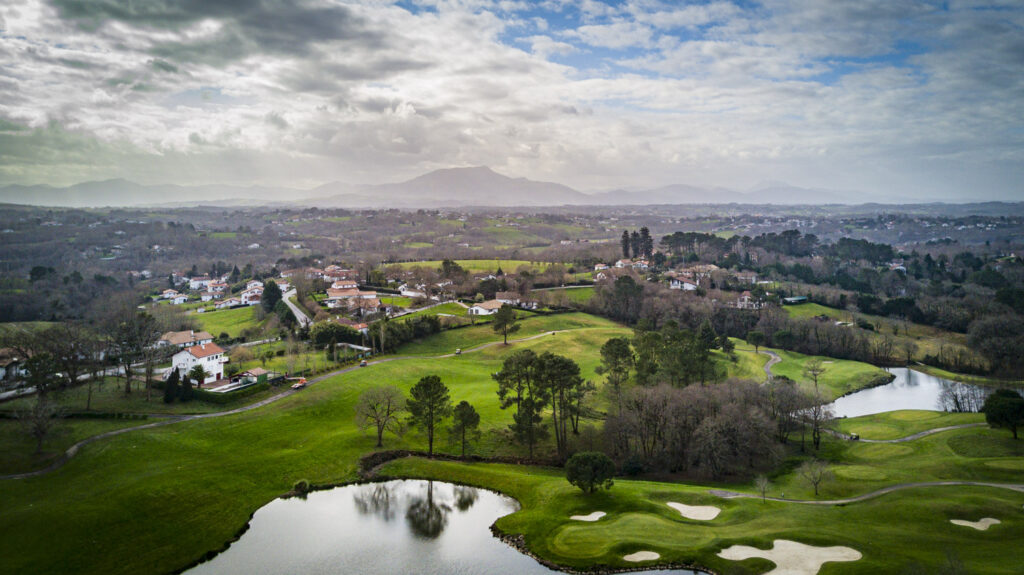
pixel 247 27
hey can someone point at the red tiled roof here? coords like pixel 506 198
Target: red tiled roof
pixel 201 351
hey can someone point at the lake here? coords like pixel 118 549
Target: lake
pixel 913 390
pixel 403 526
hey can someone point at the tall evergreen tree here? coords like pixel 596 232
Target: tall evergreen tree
pixel 171 387
pixel 271 295
pixel 625 244
pixel 634 243
pixel 646 242
pixel 429 405
pixel 465 421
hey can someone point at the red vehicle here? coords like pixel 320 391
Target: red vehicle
pixel 299 384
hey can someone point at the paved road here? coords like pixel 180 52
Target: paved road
pixel 871 495
pixel 300 314
pixel 170 420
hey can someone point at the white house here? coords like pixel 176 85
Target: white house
pixel 179 299
pixel 169 293
pixel 199 282
pixel 254 284
pixel 623 264
pixel 210 295
pixel 677 283
pixel 414 293
pixel 600 267
pixel 489 307
pixel 211 356
pixel 746 301
pixel 230 302
pixel 184 339
pixel 252 296
pixel 345 284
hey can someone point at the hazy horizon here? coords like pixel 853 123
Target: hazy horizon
pixel 887 99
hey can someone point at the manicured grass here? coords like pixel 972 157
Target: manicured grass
pixel 965 378
pixel 893 532
pixel 896 424
pixel 577 295
pixel 224 235
pixel 230 321
pixel 155 500
pixel 748 365
pixel 17 448
pixel 396 300
pixel 450 308
pixel 418 245
pixel 467 337
pixel 841 376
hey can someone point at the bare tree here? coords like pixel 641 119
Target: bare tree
pixel 381 407
pixel 813 369
pixel 762 484
pixel 814 472
pixel 818 416
pixel 40 420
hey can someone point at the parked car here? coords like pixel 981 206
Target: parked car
pixel 362 363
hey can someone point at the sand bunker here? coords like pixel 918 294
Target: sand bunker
pixel 982 525
pixel 792 558
pixel 641 556
pixel 698 512
pixel 592 517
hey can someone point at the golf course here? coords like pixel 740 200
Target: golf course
pixel 162 498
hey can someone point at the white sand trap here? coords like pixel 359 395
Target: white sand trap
pixel 982 525
pixel 792 558
pixel 592 517
pixel 698 512
pixel 641 556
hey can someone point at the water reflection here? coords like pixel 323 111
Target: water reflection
pixel 427 518
pixel 913 390
pixel 427 528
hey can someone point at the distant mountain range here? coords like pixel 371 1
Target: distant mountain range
pixel 455 187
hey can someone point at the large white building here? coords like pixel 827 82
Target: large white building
pixel 210 356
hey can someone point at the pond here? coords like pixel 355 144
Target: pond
pixel 404 526
pixel 913 390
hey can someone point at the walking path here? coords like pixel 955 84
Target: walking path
pixel 732 494
pixel 172 419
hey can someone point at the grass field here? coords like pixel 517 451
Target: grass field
pixel 17 449
pixel 576 295
pixel 841 376
pixel 895 533
pixel 396 300
pixel 230 321
pixel 896 424
pixel 224 235
pixel 157 499
pixel 418 245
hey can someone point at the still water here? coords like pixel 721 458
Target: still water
pixel 912 390
pixel 405 526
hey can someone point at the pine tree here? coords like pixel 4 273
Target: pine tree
pixel 171 387
pixel 625 244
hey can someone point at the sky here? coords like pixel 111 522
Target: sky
pixel 881 97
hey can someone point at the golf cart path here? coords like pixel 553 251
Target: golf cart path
pixel 172 419
pixel 917 435
pixel 773 358
pixel 899 486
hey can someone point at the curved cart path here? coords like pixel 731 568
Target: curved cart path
pixel 871 495
pixel 773 358
pixel 172 419
pixel 917 435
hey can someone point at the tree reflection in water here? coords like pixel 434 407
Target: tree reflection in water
pixel 427 519
pixel 465 497
pixel 376 499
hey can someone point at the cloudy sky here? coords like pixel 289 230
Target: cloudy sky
pixel 922 99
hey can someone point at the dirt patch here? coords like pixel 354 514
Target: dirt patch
pixel 592 517
pixel 641 556
pixel 792 558
pixel 980 525
pixel 698 512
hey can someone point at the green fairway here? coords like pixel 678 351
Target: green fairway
pixel 577 295
pixel 893 532
pixel 841 376
pixel 450 308
pixel 896 424
pixel 155 500
pixel 17 448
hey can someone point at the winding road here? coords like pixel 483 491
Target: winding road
pixel 172 419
